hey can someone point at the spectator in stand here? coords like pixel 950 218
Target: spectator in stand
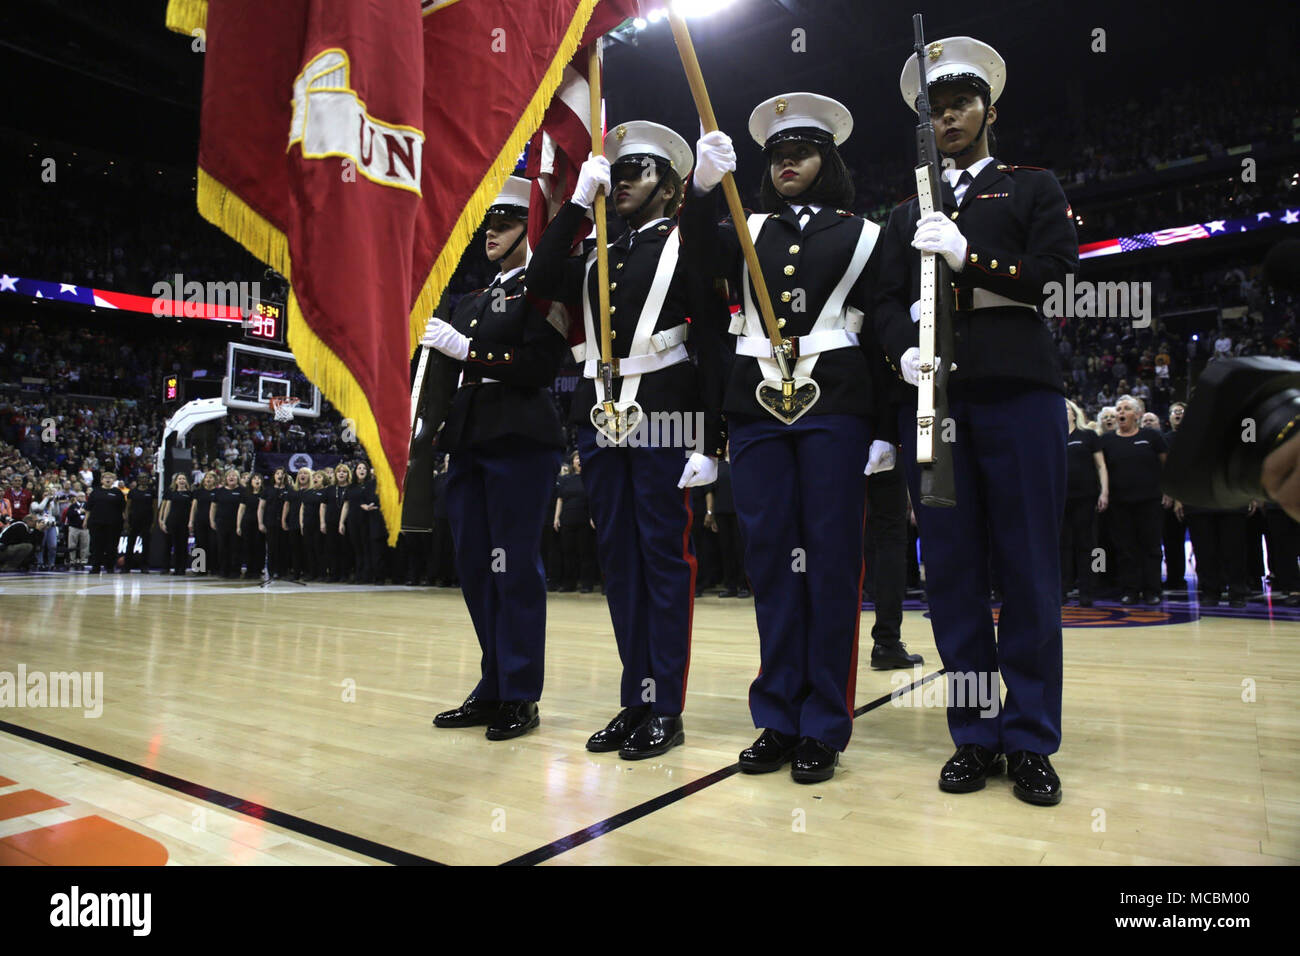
pixel 1149 420
pixel 47 524
pixel 174 520
pixel 1222 346
pixel 20 498
pixel 1107 419
pixel 1134 458
pixel 1087 495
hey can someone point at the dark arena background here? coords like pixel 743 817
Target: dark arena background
pixel 203 697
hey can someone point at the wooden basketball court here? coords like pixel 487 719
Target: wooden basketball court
pixel 291 725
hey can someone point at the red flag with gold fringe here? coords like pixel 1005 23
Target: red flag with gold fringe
pixel 354 147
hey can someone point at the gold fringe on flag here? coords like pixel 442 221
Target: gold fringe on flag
pixel 186 16
pixel 471 217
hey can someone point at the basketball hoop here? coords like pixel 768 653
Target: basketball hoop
pixel 282 407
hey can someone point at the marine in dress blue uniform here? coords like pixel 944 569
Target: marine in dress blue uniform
pixel 639 490
pixel 1007 232
pixel 505 439
pixel 799 487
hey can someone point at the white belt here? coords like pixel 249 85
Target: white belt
pixel 984 299
pixel 760 347
pixel 660 342
pixel 641 364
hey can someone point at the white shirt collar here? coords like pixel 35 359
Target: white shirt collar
pixel 503 277
pixel 812 207
pixel 952 175
pixel 653 222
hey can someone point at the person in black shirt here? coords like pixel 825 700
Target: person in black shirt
pixel 722 519
pixel 1174 533
pixel 107 512
pixel 174 521
pixel 272 510
pixel 356 521
pixel 224 517
pixel 201 522
pixel 573 524
pixel 1087 494
pixel 312 521
pixel 141 512
pixel 18 540
pixel 289 521
pixel 74 518
pixel 336 542
pixel 251 526
pixel 1134 458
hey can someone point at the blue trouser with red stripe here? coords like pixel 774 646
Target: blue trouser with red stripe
pixel 496 505
pixel 1009 465
pixel 643 538
pixel 801 497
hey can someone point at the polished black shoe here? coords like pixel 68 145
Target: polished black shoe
pixel 515 719
pixel 473 713
pixel 617 730
pixel 891 656
pixel 968 768
pixel 770 752
pixel 813 762
pixel 744 593
pixel 1128 599
pixel 1152 600
pixel 1033 777
pixel 656 736
pixel 729 592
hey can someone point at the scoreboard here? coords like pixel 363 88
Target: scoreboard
pixel 265 323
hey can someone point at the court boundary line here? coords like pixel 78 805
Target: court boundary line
pixel 550 851
pixel 226 801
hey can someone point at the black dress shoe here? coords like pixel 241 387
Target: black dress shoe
pixel 1128 599
pixel 892 656
pixel 658 735
pixel 1034 779
pixel 813 762
pixel 968 768
pixel 729 592
pixel 473 713
pixel 770 752
pixel 744 593
pixel 617 730
pixel 515 719
pixel 1153 599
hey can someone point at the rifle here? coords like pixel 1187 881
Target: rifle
pixel 938 485
pixel 431 394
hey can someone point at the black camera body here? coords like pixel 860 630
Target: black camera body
pixel 1242 410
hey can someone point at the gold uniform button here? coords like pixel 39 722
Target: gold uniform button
pixel 794 250
pixel 506 356
pixel 489 356
pixel 473 354
pixel 974 258
pixel 1012 270
pixel 785 296
pixel 613 286
pixel 954 214
pixel 789 270
pixel 780 323
pixel 993 264
pixel 619 266
pixel 473 322
pixel 613 309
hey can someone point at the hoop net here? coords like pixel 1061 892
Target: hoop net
pixel 282 407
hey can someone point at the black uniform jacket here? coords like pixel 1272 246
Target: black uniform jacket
pixel 511 341
pixel 799 266
pixel 1021 235
pixel 688 387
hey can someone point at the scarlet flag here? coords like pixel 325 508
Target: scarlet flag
pixel 355 147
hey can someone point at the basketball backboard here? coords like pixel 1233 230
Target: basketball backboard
pixel 255 375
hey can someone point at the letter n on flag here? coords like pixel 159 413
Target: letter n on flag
pixel 354 148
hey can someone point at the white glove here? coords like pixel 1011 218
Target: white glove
pixel 593 175
pixel 441 336
pixel 714 157
pixel 935 232
pixel 910 366
pixel 699 470
pixel 880 458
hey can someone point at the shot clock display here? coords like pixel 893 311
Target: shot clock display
pixel 265 323
pixel 171 388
